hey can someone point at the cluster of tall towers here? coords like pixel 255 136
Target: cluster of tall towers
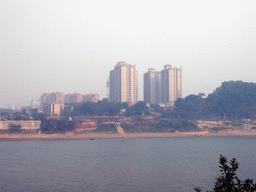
pixel 59 97
pixel 159 87
pixel 163 87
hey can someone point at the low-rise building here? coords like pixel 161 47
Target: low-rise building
pixel 54 109
pixel 22 126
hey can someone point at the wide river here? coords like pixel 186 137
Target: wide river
pixel 168 164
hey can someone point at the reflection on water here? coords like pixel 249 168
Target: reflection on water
pixel 169 164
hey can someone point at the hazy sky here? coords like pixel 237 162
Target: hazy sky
pixel 70 46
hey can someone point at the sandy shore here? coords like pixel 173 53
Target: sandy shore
pixel 70 136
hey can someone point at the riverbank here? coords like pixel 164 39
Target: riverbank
pixel 73 136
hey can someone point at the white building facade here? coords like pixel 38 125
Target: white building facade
pixel 152 85
pixel 123 83
pixel 171 84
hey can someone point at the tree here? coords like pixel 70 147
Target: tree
pixel 101 108
pixel 14 128
pixel 137 109
pixel 233 99
pixel 190 107
pixel 228 181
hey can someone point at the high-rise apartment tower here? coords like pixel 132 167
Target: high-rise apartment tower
pixel 48 98
pixel 152 84
pixel 123 83
pixel 171 84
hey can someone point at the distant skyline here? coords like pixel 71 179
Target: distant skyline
pixel 70 46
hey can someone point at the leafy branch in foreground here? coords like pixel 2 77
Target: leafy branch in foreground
pixel 228 181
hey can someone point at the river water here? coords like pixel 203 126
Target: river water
pixel 150 164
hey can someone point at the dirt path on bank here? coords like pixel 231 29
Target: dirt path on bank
pixel 120 130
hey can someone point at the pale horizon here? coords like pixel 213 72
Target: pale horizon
pixel 71 46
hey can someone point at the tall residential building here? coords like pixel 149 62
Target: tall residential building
pixel 79 97
pixel 171 84
pixel 48 98
pixel 91 98
pixel 152 84
pixel 74 98
pixel 45 99
pixel 123 83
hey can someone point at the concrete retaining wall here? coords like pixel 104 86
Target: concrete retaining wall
pixel 25 125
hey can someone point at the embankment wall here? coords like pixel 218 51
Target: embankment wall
pixel 25 125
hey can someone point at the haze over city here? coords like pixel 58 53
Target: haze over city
pixel 70 46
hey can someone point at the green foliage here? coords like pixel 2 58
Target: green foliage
pixel 101 108
pixel 129 128
pixel 234 99
pixel 145 127
pixel 163 126
pixel 228 180
pixel 37 116
pixel 189 108
pixel 63 126
pixel 18 116
pixel 46 127
pixel 56 126
pixel 198 189
pixel 171 114
pixel 137 109
pixel 14 128
pixel 185 126
pixel 190 103
pixel 106 128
